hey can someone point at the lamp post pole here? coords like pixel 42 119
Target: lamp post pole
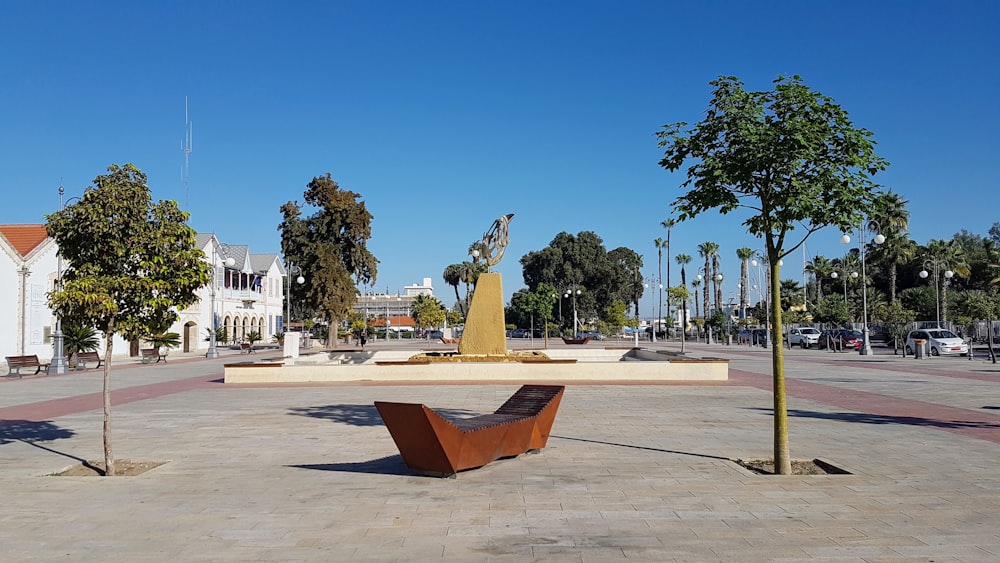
pixel 652 283
pixel 291 269
pixel 58 351
pixel 573 292
pixel 936 264
pixel 213 351
pixel 878 238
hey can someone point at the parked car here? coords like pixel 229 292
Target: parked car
pixel 519 333
pixel 939 341
pixel 804 337
pixel 841 338
pixel 592 334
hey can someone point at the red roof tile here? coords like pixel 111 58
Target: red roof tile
pixel 24 238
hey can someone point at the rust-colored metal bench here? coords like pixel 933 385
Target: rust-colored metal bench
pixel 433 445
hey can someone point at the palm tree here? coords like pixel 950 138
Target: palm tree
pixel 951 256
pixel 708 250
pixel 660 244
pixel 789 290
pixel 453 276
pixel 744 254
pixel 820 267
pixel 668 224
pixel 78 339
pixel 695 283
pixel 892 218
pixel 683 260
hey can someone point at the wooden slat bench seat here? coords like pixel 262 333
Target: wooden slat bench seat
pixel 15 363
pixel 431 444
pixel 147 355
pixel 83 358
pixel 246 348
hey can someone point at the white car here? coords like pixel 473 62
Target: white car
pixel 939 341
pixel 805 337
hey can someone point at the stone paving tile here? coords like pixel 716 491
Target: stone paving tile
pixel 309 473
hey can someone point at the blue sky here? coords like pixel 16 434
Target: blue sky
pixel 446 115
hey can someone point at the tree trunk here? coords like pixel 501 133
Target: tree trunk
pixel 782 457
pixel 109 458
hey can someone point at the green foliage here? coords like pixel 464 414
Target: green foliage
pixel 455 317
pixel 78 338
pixel 581 262
pixel 428 312
pixel 330 246
pixel 895 318
pixel 132 262
pixel 791 159
pixel 616 317
pixel 164 340
pixel 832 310
pixel 252 336
pixel 221 334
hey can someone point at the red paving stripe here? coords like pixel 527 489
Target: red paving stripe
pixel 874 408
pixel 47 410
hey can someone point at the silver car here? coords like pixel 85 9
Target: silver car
pixel 805 337
pixel 938 340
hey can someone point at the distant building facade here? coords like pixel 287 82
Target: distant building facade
pixel 248 294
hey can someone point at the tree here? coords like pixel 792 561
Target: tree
pixel 683 260
pixel 695 283
pixel 660 244
pixel 946 255
pixel 331 245
pixel 680 293
pixel 453 276
pixel 820 267
pixel 791 159
pixel 428 312
pixel 77 339
pixel 707 250
pixel 132 264
pixel 895 319
pixel 892 218
pixel 627 276
pixel 745 255
pixel 580 262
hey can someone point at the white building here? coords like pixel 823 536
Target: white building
pixel 248 295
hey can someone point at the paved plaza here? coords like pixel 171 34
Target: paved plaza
pixel 631 472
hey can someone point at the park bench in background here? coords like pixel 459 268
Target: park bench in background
pixel 15 363
pixel 82 358
pixel 147 355
pixel 246 348
pixel 434 445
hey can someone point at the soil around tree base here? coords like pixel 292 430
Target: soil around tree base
pixel 799 467
pixel 123 468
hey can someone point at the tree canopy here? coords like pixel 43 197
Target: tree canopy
pixel 580 262
pixel 131 265
pixel 330 246
pixel 789 158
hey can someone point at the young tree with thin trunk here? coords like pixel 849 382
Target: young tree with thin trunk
pixel 791 159
pixel 132 265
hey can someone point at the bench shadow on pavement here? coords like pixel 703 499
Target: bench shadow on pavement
pixel 389 465
pixel 868 418
pixel 363 415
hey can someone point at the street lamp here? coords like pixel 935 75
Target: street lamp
pixel 572 293
pixel 651 283
pixel 59 364
pixel 290 269
pixel 878 238
pixel 936 264
pixel 213 351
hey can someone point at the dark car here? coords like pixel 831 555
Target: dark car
pixel 519 333
pixel 841 339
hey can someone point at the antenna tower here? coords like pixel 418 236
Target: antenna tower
pixel 187 145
